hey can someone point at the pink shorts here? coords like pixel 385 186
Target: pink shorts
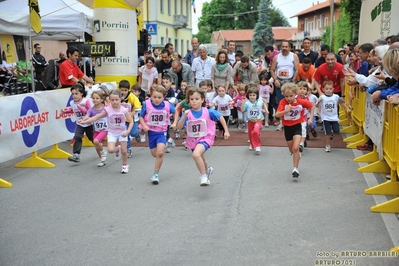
pixel 100 135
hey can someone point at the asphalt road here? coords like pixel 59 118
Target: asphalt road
pixel 253 213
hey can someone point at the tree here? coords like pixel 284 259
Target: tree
pixel 277 18
pixel 204 35
pixel 352 9
pixel 263 33
pixel 220 15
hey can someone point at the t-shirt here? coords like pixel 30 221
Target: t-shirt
pixel 329 108
pixel 223 104
pixel 163 68
pixel 68 71
pixel 335 74
pixel 295 115
pixel 302 74
pixel 100 124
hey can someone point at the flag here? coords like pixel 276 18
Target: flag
pixel 193 4
pixel 34 15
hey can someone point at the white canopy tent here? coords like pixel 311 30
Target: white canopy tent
pixel 61 19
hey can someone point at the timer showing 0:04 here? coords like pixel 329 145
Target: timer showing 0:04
pixel 100 49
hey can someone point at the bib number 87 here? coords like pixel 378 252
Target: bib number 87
pixel 196 128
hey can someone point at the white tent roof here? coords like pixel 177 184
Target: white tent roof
pixel 61 19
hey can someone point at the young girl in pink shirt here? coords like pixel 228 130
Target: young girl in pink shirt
pixel 201 129
pixel 117 116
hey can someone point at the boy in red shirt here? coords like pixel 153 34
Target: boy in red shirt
pixel 290 111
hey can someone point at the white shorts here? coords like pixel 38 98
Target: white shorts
pixel 112 137
pixel 303 124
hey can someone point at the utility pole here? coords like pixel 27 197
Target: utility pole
pixel 332 23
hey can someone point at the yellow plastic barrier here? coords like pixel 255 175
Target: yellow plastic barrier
pixel 5 184
pixel 358 115
pixel 390 140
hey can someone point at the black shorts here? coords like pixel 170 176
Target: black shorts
pixel 330 125
pixel 291 131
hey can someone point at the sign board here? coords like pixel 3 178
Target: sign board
pixel 94 49
pixel 151 29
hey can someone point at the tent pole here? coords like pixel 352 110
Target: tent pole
pixel 31 58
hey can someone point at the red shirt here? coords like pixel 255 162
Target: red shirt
pixel 295 116
pixel 68 71
pixel 335 74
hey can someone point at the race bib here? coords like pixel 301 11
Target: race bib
pixel 294 114
pixel 284 73
pixel 254 113
pixel 156 117
pixel 197 128
pixel 117 120
pixel 264 93
pixel 329 106
pixel 223 108
pixel 100 125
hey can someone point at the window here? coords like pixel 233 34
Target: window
pixel 169 8
pixel 239 47
pixel 321 20
pixel 182 48
pixel 187 45
pixel 181 7
pixel 306 24
pixel 315 22
pixel 176 7
pixel 162 7
pixel 176 46
pixel 312 25
pixel 170 40
pixel 187 5
pixel 162 41
pixel 325 22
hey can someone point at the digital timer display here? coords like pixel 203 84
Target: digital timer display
pixel 94 49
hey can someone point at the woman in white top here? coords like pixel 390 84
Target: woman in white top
pixel 148 75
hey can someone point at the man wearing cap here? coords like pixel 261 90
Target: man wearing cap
pixel 202 65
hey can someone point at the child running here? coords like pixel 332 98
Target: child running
pixel 254 108
pixel 130 98
pixel 290 111
pixel 303 94
pixel 223 102
pixel 79 106
pixel 100 126
pixel 265 89
pixel 117 116
pixel 238 100
pixel 155 116
pixel 328 109
pixel 201 130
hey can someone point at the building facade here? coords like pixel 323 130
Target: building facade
pixel 312 22
pixel 169 21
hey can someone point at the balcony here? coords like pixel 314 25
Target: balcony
pixel 311 34
pixel 179 21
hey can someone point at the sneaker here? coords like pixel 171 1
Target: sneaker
pixel 205 182
pixel 74 158
pixel 328 148
pixel 239 126
pixel 314 133
pixel 365 147
pixel 300 148
pixel 250 147
pixel 117 153
pixel 129 153
pixel 142 138
pixel 177 134
pixel 266 124
pixel 125 169
pixel 305 144
pixel 332 136
pixel 279 127
pixel 246 131
pixel 257 150
pixel 103 156
pixel 295 173
pixel 209 171
pixel 168 150
pixel 171 143
pixel 155 179
pixel 138 138
pixel 101 164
